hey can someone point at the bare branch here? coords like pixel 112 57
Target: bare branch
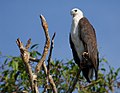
pixel 28 44
pixel 25 57
pixel 34 59
pixel 46 72
pixel 92 83
pixel 50 79
pixel 49 59
pixel 51 47
pixel 71 88
pixel 50 54
pixel 47 44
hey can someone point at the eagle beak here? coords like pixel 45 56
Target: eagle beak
pixel 72 13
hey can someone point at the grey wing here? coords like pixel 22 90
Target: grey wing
pixel 75 56
pixel 88 37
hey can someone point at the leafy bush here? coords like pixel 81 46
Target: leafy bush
pixel 15 79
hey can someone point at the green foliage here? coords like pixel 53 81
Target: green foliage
pixel 15 79
pixel 34 52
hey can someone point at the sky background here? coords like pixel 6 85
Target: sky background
pixel 20 18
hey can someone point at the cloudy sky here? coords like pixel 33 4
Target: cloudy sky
pixel 20 18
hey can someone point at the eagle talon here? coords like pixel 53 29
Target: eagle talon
pixel 85 54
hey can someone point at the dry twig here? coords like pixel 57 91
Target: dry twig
pixel 47 44
pixel 28 44
pixel 49 78
pixel 50 54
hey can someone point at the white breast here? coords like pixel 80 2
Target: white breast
pixel 75 38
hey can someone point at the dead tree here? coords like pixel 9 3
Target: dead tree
pixel 25 55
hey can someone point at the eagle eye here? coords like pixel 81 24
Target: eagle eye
pixel 75 10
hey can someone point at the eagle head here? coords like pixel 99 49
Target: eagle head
pixel 76 12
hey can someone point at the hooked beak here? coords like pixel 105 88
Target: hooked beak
pixel 72 13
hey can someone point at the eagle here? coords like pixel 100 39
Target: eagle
pixel 84 45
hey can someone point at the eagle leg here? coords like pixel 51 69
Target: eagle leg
pixel 84 60
pixel 86 66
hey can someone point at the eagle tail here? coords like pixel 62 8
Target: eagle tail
pixel 88 73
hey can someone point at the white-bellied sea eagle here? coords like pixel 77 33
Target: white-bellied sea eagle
pixel 84 45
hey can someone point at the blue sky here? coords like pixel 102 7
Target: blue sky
pixel 20 18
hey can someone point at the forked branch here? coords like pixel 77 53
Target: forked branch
pixel 41 62
pixel 25 57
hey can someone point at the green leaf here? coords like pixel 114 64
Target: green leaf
pixel 116 73
pixel 65 67
pixel 38 53
pixel 33 46
pixel 12 74
pixel 103 69
pixel 102 89
pixel 14 65
pixel 52 63
pixel 5 60
pixel 33 54
pixel 111 70
pixel 104 60
pixel 118 70
pixel 9 64
pixel 6 72
pixel 70 62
